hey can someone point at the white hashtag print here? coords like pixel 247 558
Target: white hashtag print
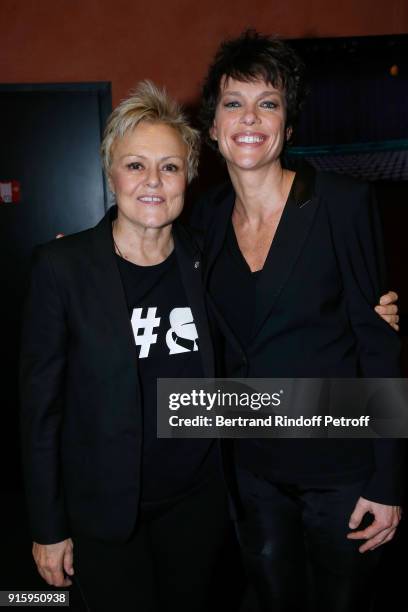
pixel 146 326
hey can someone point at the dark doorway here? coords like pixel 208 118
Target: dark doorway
pixel 50 136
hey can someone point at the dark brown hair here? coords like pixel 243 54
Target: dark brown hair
pixel 250 57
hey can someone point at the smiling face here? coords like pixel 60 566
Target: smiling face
pixel 249 123
pixel 148 175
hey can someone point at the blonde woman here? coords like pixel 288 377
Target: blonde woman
pixel 137 522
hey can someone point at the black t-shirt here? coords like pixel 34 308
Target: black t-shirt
pixel 232 286
pixel 167 347
pixel 234 289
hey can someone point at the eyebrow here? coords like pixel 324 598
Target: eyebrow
pixel 264 94
pixel 144 156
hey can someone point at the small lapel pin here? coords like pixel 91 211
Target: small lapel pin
pixel 196 264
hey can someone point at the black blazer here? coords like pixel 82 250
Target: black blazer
pixel 80 396
pixel 315 310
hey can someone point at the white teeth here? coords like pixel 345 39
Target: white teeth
pixel 151 199
pixel 250 139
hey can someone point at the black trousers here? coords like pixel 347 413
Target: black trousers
pixel 182 556
pixel 294 546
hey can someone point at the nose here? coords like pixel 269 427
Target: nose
pixel 249 115
pixel 153 178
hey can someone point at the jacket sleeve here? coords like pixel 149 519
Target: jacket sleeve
pixel 42 369
pixel 357 236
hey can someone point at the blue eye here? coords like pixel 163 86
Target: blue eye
pixel 234 104
pixel 269 104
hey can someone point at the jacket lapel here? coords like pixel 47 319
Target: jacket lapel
pixel 215 238
pixel 286 248
pixel 216 233
pixel 108 284
pixel 190 265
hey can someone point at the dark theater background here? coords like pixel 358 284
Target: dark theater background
pixel 64 64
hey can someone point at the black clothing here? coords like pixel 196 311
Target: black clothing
pixel 233 288
pixel 181 557
pixel 81 416
pixel 235 291
pixel 168 347
pixel 295 549
pixel 314 317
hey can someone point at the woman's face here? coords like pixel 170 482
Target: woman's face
pixel 148 175
pixel 249 123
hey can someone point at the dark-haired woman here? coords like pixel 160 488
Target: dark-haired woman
pixel 299 253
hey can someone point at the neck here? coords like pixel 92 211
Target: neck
pixel 140 245
pixel 260 193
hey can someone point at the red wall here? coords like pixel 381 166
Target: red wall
pixel 169 41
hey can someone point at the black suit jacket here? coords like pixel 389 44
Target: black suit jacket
pixel 315 313
pixel 80 396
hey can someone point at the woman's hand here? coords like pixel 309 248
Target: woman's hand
pixel 53 560
pixel 388 309
pixel 381 530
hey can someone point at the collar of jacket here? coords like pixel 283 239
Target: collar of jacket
pixel 112 294
pixel 302 192
pixel 304 185
pixel 292 231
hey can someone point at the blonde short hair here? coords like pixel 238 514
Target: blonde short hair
pixel 149 103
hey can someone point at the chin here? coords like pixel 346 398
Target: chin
pixel 156 222
pixel 247 164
